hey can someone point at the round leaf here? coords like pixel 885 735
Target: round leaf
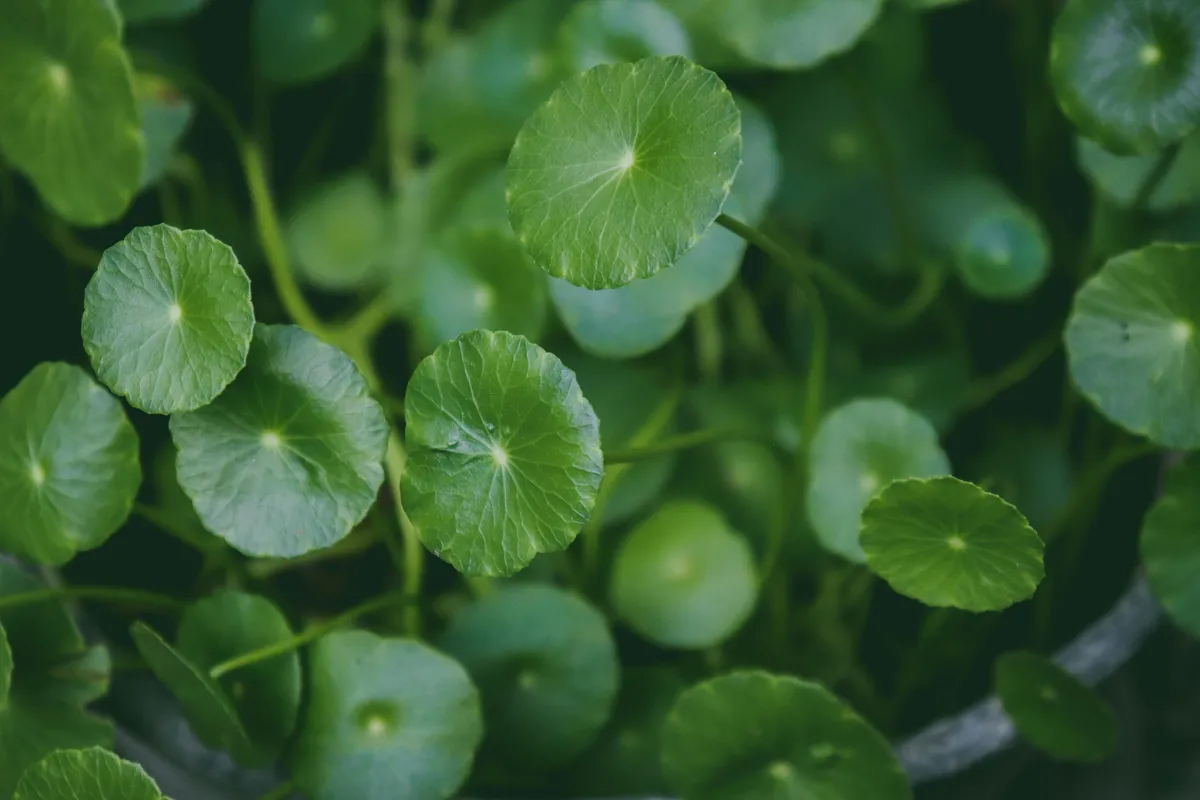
pixel 386 718
pixel 69 469
pixel 265 695
pixel 858 449
pixel 481 278
pixel 1170 545
pixel 1127 72
pixel 618 174
pixel 546 667
pixel 788 35
pixel 69 119
pixel 946 542
pixel 504 453
pixel 290 457
pixel 1121 177
pixel 1053 710
pixel 167 319
pixel 1131 343
pixel 93 773
pixel 683 578
pixel 337 234
pixel 610 31
pixel 751 735
pixel 296 41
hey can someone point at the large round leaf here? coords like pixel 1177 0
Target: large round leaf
pixel 68 118
pixel 1127 72
pixel 858 449
pixel 609 31
pixel 504 453
pixel 290 457
pixel 546 666
pixel 69 469
pixel 480 277
pixel 946 542
pixel 683 578
pixel 1131 343
pixel 386 718
pixel 620 172
pixel 782 35
pixel 337 234
pixel 752 735
pixel 1121 177
pixel 94 774
pixel 1053 710
pixel 54 675
pixel 1170 545
pixel 296 41
pixel 167 318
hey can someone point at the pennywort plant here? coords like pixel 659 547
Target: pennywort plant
pixel 463 507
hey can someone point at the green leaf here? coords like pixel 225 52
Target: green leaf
pixel 606 186
pixel 385 718
pixel 504 453
pixel 136 11
pixel 858 449
pixel 91 774
pixel 1131 343
pixel 1126 72
pixel 297 41
pixel 290 457
pixel 166 115
pixel 1121 177
pixel 53 676
pixel 73 128
pixel 611 31
pixel 946 542
pixel 167 318
pixel 546 667
pixel 788 35
pixel 751 735
pixel 480 277
pixel 1053 710
pixel 683 578
pixel 265 695
pixel 337 234
pixel 69 469
pixel 1170 545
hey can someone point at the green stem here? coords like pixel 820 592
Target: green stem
pixel 400 88
pixel 709 346
pixel 674 444
pixel 166 522
pixel 69 245
pixel 369 320
pixel 313 633
pixel 110 594
pixel 357 542
pixel 1154 179
pixel 413 560
pixel 437 26
pixel 1025 365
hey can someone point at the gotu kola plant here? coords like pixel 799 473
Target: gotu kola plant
pixel 442 494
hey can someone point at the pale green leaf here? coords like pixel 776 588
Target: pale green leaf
pixel 89 774
pixel 610 31
pixel 337 234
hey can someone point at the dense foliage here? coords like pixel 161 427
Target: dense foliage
pixel 561 398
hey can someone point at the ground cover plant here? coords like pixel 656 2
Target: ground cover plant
pixel 532 398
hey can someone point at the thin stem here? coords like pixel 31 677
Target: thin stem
pixel 112 594
pixel 413 561
pixel 357 542
pixel 313 633
pixel 709 346
pixel 437 25
pixel 69 245
pixel 1154 179
pixel 674 444
pixel 166 522
pixel 400 91
pixel 369 320
pixel 1016 372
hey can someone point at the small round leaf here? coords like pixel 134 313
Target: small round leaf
pixel 1053 710
pixel 1131 343
pixel 610 31
pixel 338 233
pixel 69 469
pixel 751 735
pixel 683 578
pixel 1170 545
pixel 94 774
pixel 386 718
pixel 858 449
pixel 946 542
pixel 546 667
pixel 296 41
pixel 290 457
pixel 167 319
pixel 504 453
pixel 69 119
pixel 620 172
pixel 1127 72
